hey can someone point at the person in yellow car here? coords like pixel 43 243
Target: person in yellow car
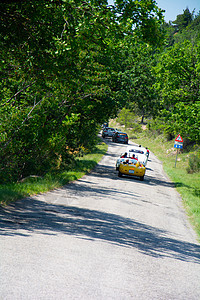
pixel 132 167
pixel 124 155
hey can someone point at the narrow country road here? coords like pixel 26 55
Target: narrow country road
pixel 101 237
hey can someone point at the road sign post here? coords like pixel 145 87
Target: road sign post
pixel 178 145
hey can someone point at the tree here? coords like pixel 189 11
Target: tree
pixel 186 27
pixel 138 79
pixel 178 86
pixel 183 20
pixel 59 72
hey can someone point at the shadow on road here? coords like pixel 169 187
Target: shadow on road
pixel 30 215
pixel 149 179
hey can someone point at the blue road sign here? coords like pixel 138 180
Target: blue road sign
pixel 179 146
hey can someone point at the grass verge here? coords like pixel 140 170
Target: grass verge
pixel 35 185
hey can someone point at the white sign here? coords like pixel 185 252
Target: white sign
pixel 179 143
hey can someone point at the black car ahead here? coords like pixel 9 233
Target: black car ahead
pixel 120 137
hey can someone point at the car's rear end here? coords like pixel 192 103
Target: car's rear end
pixel 132 169
pixel 111 131
pixel 108 132
pixel 122 137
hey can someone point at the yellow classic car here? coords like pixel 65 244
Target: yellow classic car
pixel 132 168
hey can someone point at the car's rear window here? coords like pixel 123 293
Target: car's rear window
pixel 110 129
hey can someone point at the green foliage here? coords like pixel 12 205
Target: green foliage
pixel 183 20
pixel 137 79
pixel 194 163
pixel 136 128
pixel 37 184
pixel 126 118
pixel 59 76
pixel 177 84
pixel 178 80
pixel 185 27
pixel 144 16
pixel 158 126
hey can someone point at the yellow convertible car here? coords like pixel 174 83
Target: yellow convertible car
pixel 132 168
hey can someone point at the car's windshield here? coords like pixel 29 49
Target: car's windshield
pixel 131 156
pixel 136 151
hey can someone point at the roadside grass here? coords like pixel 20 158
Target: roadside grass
pixel 34 184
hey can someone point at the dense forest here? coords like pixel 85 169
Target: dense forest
pixel 67 66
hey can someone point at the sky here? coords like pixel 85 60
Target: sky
pixel 175 7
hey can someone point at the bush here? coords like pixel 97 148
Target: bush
pixel 194 163
pixel 126 118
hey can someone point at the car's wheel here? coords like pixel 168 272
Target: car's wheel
pixel 119 174
pixel 141 178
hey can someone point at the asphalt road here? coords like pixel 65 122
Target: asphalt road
pixel 101 237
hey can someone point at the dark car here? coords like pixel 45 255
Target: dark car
pixel 120 137
pixel 108 132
